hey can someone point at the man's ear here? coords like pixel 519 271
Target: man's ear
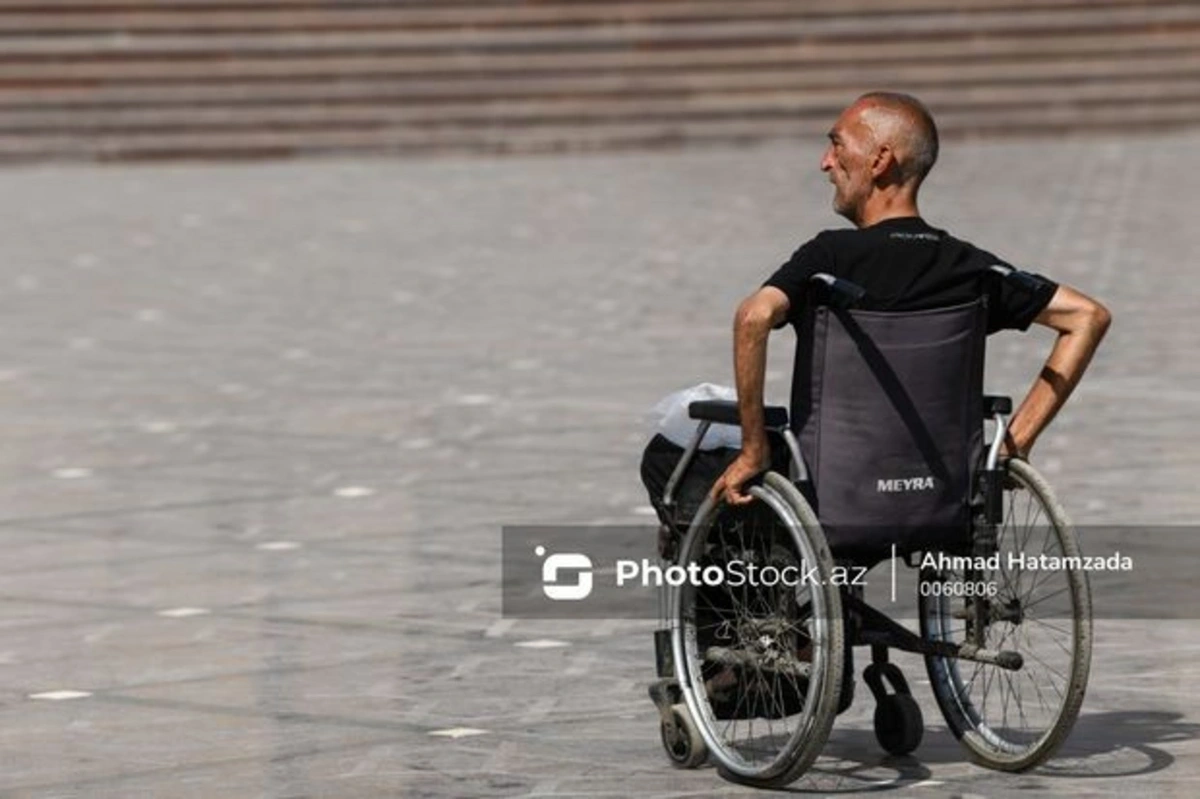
pixel 884 161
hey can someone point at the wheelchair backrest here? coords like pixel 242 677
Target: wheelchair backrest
pixel 888 411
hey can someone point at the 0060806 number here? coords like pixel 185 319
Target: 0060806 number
pixel 957 588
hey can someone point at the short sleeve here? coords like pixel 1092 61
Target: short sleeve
pixel 793 277
pixel 1014 304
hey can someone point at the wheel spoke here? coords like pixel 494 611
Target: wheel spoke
pixel 1057 629
pixel 1026 604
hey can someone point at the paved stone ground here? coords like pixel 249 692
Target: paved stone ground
pixel 263 424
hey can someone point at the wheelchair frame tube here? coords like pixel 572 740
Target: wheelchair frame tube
pixel 684 462
pixel 799 471
pixel 993 456
pixel 991 481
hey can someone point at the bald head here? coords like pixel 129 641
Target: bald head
pixel 902 122
pixel 880 149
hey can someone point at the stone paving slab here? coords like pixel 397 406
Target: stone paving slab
pixel 290 406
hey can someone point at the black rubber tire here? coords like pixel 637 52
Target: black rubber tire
pixel 810 725
pixel 682 741
pixel 970 722
pixel 899 725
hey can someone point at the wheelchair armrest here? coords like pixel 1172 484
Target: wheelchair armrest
pixel 726 412
pixel 993 405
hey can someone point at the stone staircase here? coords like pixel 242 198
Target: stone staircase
pixel 138 79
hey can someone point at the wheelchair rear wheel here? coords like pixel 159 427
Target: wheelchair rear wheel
pixel 1015 719
pixel 760 663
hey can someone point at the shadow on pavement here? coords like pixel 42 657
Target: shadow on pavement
pixel 1120 744
pixel 1102 745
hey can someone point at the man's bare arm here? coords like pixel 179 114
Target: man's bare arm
pixel 756 316
pixel 1081 323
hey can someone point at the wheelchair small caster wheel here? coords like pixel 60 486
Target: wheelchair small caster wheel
pixel 898 723
pixel 681 739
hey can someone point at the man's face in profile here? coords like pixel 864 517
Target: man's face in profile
pixel 847 162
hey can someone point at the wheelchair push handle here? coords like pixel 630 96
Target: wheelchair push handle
pixel 1024 280
pixel 840 293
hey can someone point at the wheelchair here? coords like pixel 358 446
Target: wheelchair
pixel 753 673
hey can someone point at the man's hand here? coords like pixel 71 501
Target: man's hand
pixel 746 466
pixel 1011 448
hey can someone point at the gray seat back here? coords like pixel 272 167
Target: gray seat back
pixel 890 423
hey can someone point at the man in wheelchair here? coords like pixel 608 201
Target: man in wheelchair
pixel 882 450
pixel 880 150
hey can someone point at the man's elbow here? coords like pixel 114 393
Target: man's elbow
pixel 1099 319
pixel 1084 318
pixel 763 310
pixel 753 314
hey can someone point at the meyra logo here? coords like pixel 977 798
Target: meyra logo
pixel 902 484
pixel 565 561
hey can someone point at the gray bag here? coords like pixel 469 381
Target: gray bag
pixel 890 423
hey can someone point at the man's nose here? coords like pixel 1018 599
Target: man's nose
pixel 826 161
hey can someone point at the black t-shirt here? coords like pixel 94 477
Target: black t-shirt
pixel 906 265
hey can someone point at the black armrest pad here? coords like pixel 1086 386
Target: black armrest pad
pixel 994 405
pixel 726 412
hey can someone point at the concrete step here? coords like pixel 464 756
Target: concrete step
pixel 26 19
pixel 557 138
pixel 540 8
pixel 421 89
pixel 768 104
pixel 1034 25
pixel 304 65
